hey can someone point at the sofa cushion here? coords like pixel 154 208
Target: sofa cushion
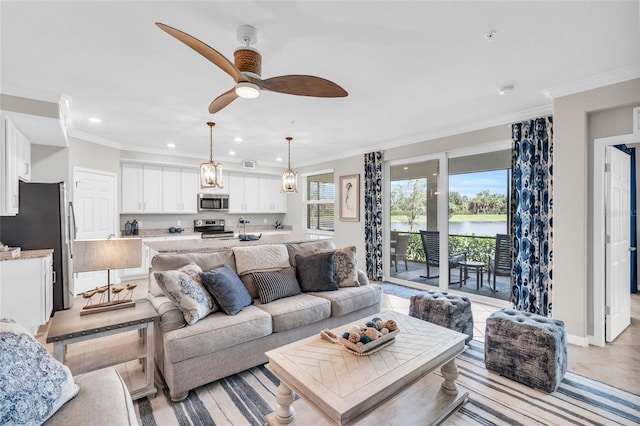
pixel 185 289
pixel 261 258
pixel 33 385
pixel 315 272
pixel 296 311
pixel 351 299
pixel 170 317
pixel 344 266
pixel 216 332
pixel 308 247
pixel 273 285
pixel 206 262
pixel 227 289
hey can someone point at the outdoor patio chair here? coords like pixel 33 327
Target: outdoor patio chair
pixel 399 250
pixel 431 245
pixel 500 262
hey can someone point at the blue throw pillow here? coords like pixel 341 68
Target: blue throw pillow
pixel 226 288
pixel 33 385
pixel 316 272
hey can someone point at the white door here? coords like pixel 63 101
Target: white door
pixel 94 195
pixel 617 279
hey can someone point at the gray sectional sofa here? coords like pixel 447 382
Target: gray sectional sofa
pixel 218 345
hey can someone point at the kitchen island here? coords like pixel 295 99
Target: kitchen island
pixel 215 244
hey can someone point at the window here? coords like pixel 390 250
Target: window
pixel 320 203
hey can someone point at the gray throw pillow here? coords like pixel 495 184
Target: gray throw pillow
pixel 315 272
pixel 273 285
pixel 226 288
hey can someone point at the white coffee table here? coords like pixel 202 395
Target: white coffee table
pixel 391 386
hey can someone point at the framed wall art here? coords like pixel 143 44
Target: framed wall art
pixel 350 198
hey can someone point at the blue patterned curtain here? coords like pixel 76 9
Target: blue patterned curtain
pixel 373 214
pixel 532 215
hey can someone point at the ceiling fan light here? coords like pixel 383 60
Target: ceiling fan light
pixel 247 90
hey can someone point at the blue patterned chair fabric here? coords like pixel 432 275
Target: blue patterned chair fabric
pixel 444 309
pixel 525 347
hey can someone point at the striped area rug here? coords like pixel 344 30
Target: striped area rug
pixel 246 398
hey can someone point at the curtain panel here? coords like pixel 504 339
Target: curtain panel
pixel 532 216
pixel 373 214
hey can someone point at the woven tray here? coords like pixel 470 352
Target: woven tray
pixel 370 347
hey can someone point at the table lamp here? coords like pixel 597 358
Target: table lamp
pixel 100 255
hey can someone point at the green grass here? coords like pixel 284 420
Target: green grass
pixel 458 218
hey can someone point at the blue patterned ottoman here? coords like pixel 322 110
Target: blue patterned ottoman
pixel 528 348
pixel 444 309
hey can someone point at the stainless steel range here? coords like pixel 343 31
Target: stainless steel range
pixel 211 228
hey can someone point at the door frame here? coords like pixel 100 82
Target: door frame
pixel 599 231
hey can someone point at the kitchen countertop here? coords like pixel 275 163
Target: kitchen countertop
pixel 29 254
pixel 164 232
pixel 215 244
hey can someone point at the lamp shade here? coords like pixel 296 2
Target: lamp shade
pixel 101 255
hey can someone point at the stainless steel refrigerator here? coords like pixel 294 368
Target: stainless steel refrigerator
pixel 44 221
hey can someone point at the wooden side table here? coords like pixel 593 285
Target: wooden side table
pixel 470 264
pixel 69 327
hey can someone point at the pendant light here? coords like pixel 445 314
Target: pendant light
pixel 211 172
pixel 289 177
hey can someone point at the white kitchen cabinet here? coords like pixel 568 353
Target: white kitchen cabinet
pixel 179 189
pixel 141 188
pixel 255 193
pixel 23 156
pixel 244 190
pixel 26 290
pixel 9 201
pixel 271 199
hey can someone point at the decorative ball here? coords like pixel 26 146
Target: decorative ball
pixel 345 335
pixel 360 344
pixel 371 333
pixel 384 331
pixel 376 319
pixel 364 339
pixel 371 324
pixel 354 337
pixel 391 325
pixel 354 329
pixel 380 324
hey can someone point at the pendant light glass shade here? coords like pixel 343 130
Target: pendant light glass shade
pixel 211 172
pixel 289 177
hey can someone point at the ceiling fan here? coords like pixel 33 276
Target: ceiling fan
pixel 246 71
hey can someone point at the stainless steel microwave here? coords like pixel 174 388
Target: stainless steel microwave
pixel 213 202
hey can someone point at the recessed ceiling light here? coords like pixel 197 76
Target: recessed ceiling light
pixel 505 90
pixel 405 168
pixel 95 120
pixel 237 139
pixel 490 35
pixel 279 159
pixel 232 153
pixel 171 145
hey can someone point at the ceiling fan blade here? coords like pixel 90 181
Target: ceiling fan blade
pixel 223 100
pixel 303 85
pixel 205 50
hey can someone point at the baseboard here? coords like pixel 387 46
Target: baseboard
pixel 577 340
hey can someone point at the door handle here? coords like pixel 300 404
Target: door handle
pixel 632 249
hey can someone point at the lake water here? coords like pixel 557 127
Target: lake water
pixel 485 229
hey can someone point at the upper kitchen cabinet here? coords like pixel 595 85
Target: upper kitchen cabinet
pixel 141 190
pixel 23 157
pixel 179 189
pixel 271 199
pixel 244 193
pixel 9 201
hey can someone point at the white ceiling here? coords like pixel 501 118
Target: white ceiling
pixel 413 70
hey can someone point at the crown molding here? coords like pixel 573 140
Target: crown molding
pixel 593 82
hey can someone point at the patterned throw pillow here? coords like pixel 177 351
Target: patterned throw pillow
pixel 225 286
pixel 273 285
pixel 184 288
pixel 315 272
pixel 33 385
pixel 344 266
